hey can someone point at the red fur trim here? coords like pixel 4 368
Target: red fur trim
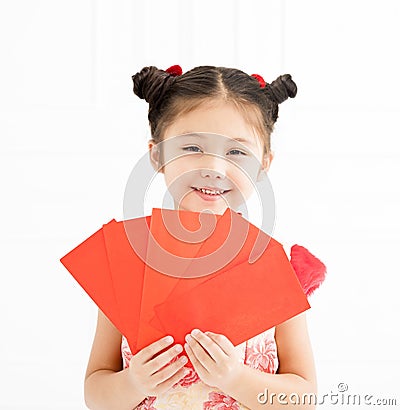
pixel 309 269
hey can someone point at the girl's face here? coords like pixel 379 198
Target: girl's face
pixel 193 158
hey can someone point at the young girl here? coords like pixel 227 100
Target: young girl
pixel 186 111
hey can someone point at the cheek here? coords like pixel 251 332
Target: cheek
pixel 242 179
pixel 177 172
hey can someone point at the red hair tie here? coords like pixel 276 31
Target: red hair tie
pixel 259 79
pixel 174 70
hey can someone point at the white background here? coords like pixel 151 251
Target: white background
pixel 71 131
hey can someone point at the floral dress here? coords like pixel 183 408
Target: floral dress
pixel 259 352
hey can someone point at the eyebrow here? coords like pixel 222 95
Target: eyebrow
pixel 242 140
pixel 239 139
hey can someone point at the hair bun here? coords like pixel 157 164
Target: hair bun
pixel 281 89
pixel 151 83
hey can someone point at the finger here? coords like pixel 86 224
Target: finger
pixel 169 370
pixel 213 348
pixel 198 367
pixel 201 355
pixel 168 384
pixel 162 359
pixel 148 352
pixel 223 342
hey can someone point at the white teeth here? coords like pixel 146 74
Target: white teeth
pixel 210 192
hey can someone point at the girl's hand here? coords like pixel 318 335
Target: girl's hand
pixel 147 371
pixel 213 357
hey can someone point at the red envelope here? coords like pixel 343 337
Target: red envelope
pixel 174 238
pixel 229 245
pixel 238 236
pixel 241 302
pixel 126 244
pixel 88 264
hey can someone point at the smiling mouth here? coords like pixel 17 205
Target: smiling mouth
pixel 211 191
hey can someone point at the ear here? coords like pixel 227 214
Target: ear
pixel 154 153
pixel 266 163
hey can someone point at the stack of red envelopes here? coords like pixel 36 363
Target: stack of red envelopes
pixel 174 271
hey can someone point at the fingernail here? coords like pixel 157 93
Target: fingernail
pixel 178 348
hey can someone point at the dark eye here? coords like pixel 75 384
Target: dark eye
pixel 191 148
pixel 236 151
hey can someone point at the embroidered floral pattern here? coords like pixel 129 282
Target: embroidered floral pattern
pixel 125 353
pixel 220 401
pixel 147 404
pixel 262 354
pixel 190 378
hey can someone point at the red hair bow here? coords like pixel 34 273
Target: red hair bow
pixel 259 79
pixel 174 70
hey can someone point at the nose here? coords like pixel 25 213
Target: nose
pixel 213 167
